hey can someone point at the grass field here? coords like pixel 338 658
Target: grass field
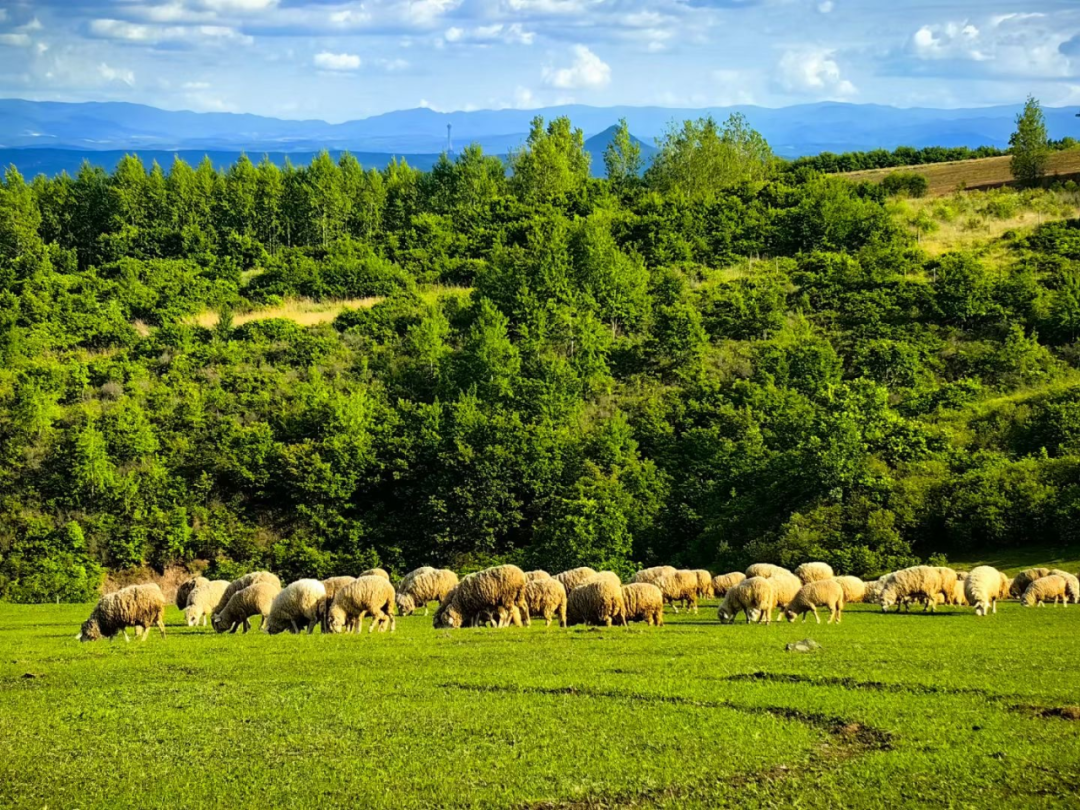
pixel 939 710
pixel 945 178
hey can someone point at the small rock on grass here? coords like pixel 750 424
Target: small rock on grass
pixel 804 646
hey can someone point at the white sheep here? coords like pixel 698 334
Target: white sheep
pixel 254 600
pixel 704 584
pixel 643 602
pixel 574 577
pixel 491 594
pixel 202 600
pixel 722 583
pixel 244 582
pixel 920 582
pixel 183 592
pixel 1044 589
pixel 420 587
pixel 138 606
pixel 1024 578
pixel 814 571
pixel 296 607
pixel 537 574
pixel 365 595
pixel 983 587
pixel 332 586
pixel 854 589
pixel 785 587
pixel 1072 584
pixel 814 594
pixel 597 601
pixel 754 596
pixel 546 598
pixel 765 570
pixel 376 572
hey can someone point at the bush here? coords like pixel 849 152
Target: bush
pixel 908 184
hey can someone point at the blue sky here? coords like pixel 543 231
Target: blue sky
pixel 336 59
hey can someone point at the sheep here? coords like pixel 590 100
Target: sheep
pixel 754 596
pixel 369 594
pixel 854 589
pixel 814 571
pixel 1024 578
pixel 765 570
pixel 597 601
pixel 422 586
pixel 704 584
pixel 531 576
pixel 547 598
pixel 948 585
pixel 959 596
pixel 574 577
pixel 1044 589
pixel 722 583
pixel 332 586
pixel 822 592
pixel 1072 584
pixel 202 600
pixel 254 600
pixel 138 606
pixel 244 582
pixel 296 607
pixel 376 572
pixel 983 587
pixel 485 592
pixel 643 602
pixel 918 582
pixel 785 587
pixel 682 587
pixel 874 590
pixel 185 589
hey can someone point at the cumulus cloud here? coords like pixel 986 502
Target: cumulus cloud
pixel 813 71
pixel 233 6
pixel 111 74
pixel 426 12
pixel 337 61
pixel 549 6
pixel 588 71
pixel 152 34
pixel 15 40
pixel 825 6
pixel 513 34
pixel 953 40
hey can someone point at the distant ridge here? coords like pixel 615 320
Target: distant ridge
pixel 598 144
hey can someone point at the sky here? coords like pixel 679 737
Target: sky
pixel 338 60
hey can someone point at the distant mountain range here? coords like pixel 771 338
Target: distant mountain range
pixel 109 129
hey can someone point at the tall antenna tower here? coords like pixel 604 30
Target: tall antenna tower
pixel 449 141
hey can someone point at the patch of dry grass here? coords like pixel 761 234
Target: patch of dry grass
pixel 303 311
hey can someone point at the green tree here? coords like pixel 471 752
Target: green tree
pixel 622 156
pixel 552 164
pixel 1029 145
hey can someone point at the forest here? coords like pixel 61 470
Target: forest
pixel 724 359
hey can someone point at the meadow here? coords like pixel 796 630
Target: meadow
pixel 936 710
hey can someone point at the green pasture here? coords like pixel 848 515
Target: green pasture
pixel 940 710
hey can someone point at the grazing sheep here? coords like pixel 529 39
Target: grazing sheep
pixel 423 586
pixel 1044 589
pixel 948 585
pixel 243 582
pixel 874 590
pixel 754 596
pixel 296 607
pixel 643 602
pixel 254 600
pixel 765 570
pixel 785 588
pixel 920 582
pixel 704 584
pixel 818 593
pixel 597 601
pixel 481 594
pixel 1024 578
pixel 959 597
pixel 138 606
pixel 682 587
pixel 376 572
pixel 854 589
pixel 814 571
pixel 574 577
pixel 547 598
pixel 722 583
pixel 531 576
pixel 983 587
pixel 202 600
pixel 371 594
pixel 1072 584
pixel 185 589
pixel 332 585
pixel 666 578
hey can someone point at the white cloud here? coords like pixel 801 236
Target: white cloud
pixel 813 71
pixel 954 40
pixel 337 61
pixel 3 14
pixel 111 74
pixel 513 34
pixel 734 88
pixel 33 25
pixel 550 6
pixel 237 5
pixel 15 40
pixel 587 71
pixel 141 34
pixel 196 85
pixel 425 12
pixel 392 65
pixel 825 6
pixel 350 17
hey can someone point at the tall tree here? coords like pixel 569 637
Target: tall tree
pixel 552 164
pixel 622 155
pixel 1030 144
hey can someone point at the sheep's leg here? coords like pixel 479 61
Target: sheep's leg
pixel 813 610
pixel 161 627
pixel 376 620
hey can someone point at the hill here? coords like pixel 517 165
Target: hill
pixel 983 173
pixel 598 144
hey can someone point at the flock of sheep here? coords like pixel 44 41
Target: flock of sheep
pixel 505 595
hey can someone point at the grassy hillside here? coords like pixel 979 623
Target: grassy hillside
pixel 984 173
pixel 898 710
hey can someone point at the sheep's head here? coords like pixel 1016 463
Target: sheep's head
pixel 724 616
pixel 218 624
pixel 448 618
pixel 90 631
pixel 790 615
pixel 335 620
pixel 405 604
pixel 1027 600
